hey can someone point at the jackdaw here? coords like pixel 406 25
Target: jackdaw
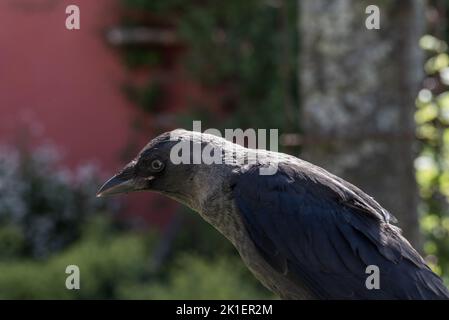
pixel 302 231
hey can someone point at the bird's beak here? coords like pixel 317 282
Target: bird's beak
pixel 116 185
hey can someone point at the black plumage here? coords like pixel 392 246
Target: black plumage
pixel 345 233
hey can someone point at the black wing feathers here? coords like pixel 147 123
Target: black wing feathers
pixel 320 230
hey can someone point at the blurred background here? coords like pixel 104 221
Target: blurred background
pixel 371 106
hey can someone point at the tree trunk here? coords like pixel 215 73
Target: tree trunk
pixel 358 88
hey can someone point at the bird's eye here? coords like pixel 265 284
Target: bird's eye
pixel 157 165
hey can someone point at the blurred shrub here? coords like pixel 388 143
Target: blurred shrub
pixel 114 264
pixel 432 164
pixel 107 259
pixel 42 207
pixel 194 277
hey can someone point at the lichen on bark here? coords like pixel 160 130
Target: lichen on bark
pixel 358 88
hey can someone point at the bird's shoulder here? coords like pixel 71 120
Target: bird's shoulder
pixel 312 183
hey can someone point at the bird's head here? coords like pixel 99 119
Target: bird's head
pixel 153 169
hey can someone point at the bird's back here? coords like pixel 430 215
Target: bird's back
pixel 320 232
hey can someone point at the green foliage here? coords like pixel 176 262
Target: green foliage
pixel 107 261
pixel 12 241
pixel 194 277
pixel 148 97
pixel 115 264
pixel 204 265
pixel 432 165
pixel 136 58
pixel 153 6
pixel 241 51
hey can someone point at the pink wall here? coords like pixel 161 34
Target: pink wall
pixel 63 87
pixel 60 85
